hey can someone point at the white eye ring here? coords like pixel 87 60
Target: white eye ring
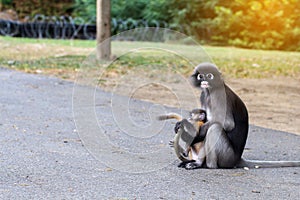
pixel 200 76
pixel 210 76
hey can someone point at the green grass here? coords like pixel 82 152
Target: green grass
pixel 58 42
pixel 68 62
pixel 49 54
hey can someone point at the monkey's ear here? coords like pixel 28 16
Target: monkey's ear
pixel 202 116
pixel 193 80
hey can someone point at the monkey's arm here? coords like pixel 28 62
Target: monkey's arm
pixel 202 133
pixel 181 124
pixel 185 132
pixel 187 127
pixel 203 130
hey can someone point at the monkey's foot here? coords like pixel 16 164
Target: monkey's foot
pixel 171 143
pixel 183 164
pixel 192 165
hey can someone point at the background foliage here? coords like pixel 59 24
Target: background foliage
pixel 259 24
pixel 32 7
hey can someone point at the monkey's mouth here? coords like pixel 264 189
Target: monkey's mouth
pixel 204 84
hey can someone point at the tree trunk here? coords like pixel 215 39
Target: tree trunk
pixel 103 30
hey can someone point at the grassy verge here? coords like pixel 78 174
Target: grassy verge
pixel 64 57
pixel 55 42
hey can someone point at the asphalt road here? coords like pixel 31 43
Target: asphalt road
pixel 43 155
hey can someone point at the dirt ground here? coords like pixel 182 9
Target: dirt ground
pixel 272 103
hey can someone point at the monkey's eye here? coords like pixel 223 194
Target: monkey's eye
pixel 210 76
pixel 200 76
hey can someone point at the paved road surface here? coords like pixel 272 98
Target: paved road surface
pixel 42 156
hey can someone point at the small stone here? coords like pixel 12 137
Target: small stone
pixel 15 127
pixel 108 169
pixel 38 71
pixel 11 62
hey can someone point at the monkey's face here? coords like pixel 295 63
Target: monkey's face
pixel 206 76
pixel 198 115
pixel 205 80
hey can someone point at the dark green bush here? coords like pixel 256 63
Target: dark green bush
pixel 261 24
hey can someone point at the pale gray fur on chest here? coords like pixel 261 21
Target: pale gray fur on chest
pixel 218 109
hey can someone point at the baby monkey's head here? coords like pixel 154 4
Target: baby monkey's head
pixel 198 115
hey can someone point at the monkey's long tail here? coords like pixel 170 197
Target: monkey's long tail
pixel 266 164
pixel 170 116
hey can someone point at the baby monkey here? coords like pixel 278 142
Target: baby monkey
pixel 187 149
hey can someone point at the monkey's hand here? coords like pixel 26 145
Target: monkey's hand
pixel 183 123
pixel 178 125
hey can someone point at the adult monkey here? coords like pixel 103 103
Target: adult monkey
pixel 227 127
